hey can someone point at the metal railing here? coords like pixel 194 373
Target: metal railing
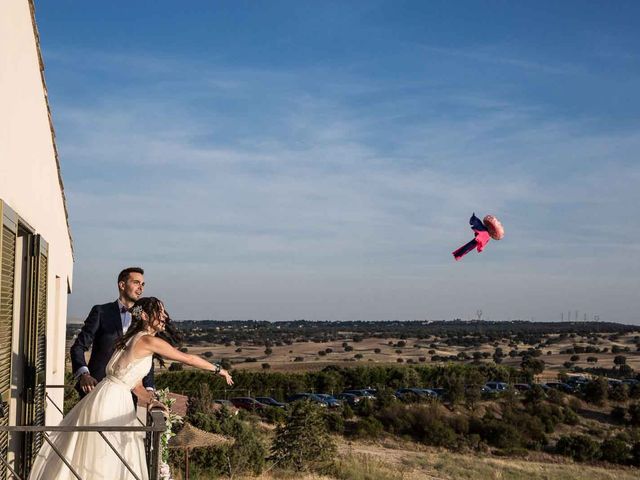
pixel 155 427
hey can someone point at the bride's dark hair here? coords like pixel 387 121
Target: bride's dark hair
pixel 152 306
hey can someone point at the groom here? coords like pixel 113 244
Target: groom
pixel 104 325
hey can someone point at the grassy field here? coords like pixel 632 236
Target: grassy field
pixel 398 460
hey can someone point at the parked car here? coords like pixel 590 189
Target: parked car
pixel 563 387
pixel 331 401
pixel 441 392
pixel 349 398
pixel 220 403
pixel 247 403
pixel 270 402
pixel 414 394
pixel 312 397
pixel 522 387
pixel 362 393
pixel 495 387
pixel 631 381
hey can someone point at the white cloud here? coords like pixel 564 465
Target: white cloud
pixel 309 208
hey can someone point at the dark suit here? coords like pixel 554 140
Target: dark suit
pixel 101 330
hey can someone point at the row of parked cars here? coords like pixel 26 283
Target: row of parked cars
pixel 573 384
pixel 354 397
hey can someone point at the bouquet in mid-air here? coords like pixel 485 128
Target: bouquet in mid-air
pixel 483 230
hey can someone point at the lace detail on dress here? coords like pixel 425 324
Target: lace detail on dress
pixel 125 368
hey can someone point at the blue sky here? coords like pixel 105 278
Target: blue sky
pixel 320 160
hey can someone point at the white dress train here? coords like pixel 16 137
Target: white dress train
pixel 108 404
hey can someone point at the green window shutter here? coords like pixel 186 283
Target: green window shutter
pixel 8 234
pixel 36 345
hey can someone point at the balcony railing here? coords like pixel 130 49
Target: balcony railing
pixel 154 428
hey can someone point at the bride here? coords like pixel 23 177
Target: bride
pixel 110 404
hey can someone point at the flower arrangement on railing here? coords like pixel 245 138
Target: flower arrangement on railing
pixel 173 420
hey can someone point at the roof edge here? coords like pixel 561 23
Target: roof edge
pixel 36 35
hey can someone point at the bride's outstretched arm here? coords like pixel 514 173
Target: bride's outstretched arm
pixel 149 345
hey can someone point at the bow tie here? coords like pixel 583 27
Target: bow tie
pixel 124 309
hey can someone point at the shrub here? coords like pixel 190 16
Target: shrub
pixel 570 416
pixel 497 433
pixel 274 414
pixel 579 447
pixel 634 414
pixel 334 422
pixel 246 455
pixel 298 359
pixel 595 391
pixel 619 393
pixel 368 427
pixel 635 454
pixel 376 350
pixel 302 442
pixel 175 367
pixel 268 351
pixel 266 366
pixel 615 450
pixel 208 354
pixel 618 414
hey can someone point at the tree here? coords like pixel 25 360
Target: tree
pixel 620 360
pixel 268 351
pixel 532 366
pixel 595 391
pixel 302 442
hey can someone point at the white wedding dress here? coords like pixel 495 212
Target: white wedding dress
pixel 108 404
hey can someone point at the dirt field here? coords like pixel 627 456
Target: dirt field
pixel 283 358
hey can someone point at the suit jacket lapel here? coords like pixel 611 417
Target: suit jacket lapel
pixel 116 317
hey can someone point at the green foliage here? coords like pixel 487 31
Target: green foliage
pixel 497 433
pixel 368 427
pixel 619 393
pixel 615 450
pixel 579 447
pixel 596 390
pixel 570 416
pixel 302 442
pixel 274 414
pixel 531 366
pixel 246 455
pixel 422 422
pixel 71 396
pixel 634 414
pixel 618 414
pixel 334 422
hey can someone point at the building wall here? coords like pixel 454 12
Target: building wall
pixel 29 176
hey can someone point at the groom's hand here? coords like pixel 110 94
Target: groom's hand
pixel 87 382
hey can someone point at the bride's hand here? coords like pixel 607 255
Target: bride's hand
pixel 226 375
pixel 158 404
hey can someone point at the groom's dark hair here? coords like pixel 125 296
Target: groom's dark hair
pixel 124 274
